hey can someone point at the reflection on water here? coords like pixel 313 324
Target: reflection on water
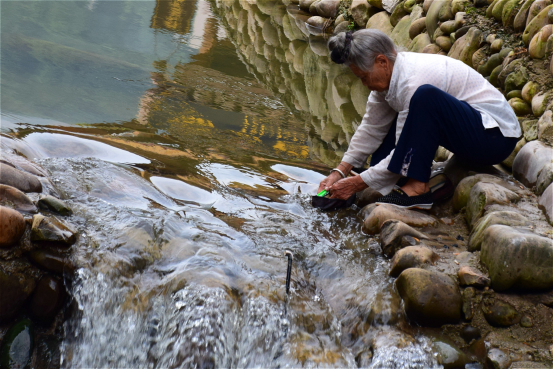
pixel 188 147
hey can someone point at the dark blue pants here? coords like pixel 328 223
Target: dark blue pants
pixel 439 119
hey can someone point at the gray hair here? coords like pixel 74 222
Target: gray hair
pixel 361 48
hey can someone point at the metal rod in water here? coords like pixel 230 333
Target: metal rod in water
pixel 288 253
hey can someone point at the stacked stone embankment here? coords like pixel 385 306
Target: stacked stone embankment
pixel 35 265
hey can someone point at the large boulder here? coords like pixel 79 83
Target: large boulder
pixel 12 226
pixel 382 213
pixel 430 298
pixel 396 235
pixel 22 181
pixel 530 161
pixel 52 230
pixel 545 203
pixel 381 21
pixel 509 218
pixel 461 194
pixel 401 32
pixel 517 259
pixel 484 194
pixel 18 200
pixel 411 257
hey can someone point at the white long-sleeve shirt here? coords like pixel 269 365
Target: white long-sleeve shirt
pixel 410 71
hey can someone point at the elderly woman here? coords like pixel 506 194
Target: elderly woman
pixel 418 102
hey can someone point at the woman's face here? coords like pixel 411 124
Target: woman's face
pixel 379 78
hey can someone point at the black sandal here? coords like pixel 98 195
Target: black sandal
pixel 399 198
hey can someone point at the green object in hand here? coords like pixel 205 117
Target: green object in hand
pixel 323 193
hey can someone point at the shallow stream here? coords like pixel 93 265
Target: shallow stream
pixel 190 169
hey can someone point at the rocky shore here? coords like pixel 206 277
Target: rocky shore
pixel 35 265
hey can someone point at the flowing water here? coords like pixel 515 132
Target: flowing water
pixel 189 167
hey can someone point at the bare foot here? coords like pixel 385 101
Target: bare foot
pixel 414 187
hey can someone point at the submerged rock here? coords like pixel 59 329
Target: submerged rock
pixel 384 309
pixel 396 235
pixel 499 313
pixel 12 226
pixel 448 354
pixel 22 181
pixel 517 259
pixel 17 346
pixel 430 298
pixel 468 276
pixel 15 290
pixel 47 298
pixel 12 196
pixel 52 261
pixel 51 203
pixel 382 213
pixel 50 229
pixel 411 257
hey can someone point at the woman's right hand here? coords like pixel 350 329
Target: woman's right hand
pixel 329 181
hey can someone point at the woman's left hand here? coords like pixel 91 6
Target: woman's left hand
pixel 345 188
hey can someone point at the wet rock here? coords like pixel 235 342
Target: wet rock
pixel 468 276
pixel 51 203
pixel 366 197
pixel 467 306
pixel 498 359
pixel 484 194
pixel 381 21
pixel 22 181
pixel 52 261
pixel 447 354
pixel 545 203
pixel 520 20
pixel 535 25
pixel 363 359
pixel 430 298
pixel 51 229
pixel 509 218
pixel 526 321
pixel 545 128
pixel 499 313
pixel 417 27
pixel 530 161
pixel 47 354
pixel 328 8
pixel 17 346
pixel 517 259
pixel 540 103
pixel 470 333
pixel 411 257
pixel 394 235
pixel 401 32
pixel 16 199
pixel 12 226
pixel 47 298
pixel 538 45
pixel 384 309
pixel 479 350
pixel 465 46
pixel 382 213
pixel 15 291
pixel 544 180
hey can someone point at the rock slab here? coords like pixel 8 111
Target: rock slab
pixel 382 213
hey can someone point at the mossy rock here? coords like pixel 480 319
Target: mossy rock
pixel 535 25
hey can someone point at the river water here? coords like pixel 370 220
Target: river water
pixel 189 164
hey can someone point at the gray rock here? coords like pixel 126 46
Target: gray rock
pixel 394 235
pixel 317 25
pixel 430 298
pixel 17 346
pixel 384 309
pixel 18 200
pixel 419 43
pixel 545 203
pixel 47 298
pixel 390 5
pixel 517 259
pixel 529 162
pixel 52 261
pixel 467 306
pixel 15 291
pixel 366 197
pixel 540 102
pixel 22 181
pixel 411 257
pixel 484 194
pixel 381 21
pixel 468 276
pixel 381 213
pixel 498 359
pixel 509 218
pixel 12 226
pixel 499 313
pixel 52 230
pixel 327 8
pixel 545 128
pixel 48 202
pixel 544 180
pixel 530 129
pixel 448 354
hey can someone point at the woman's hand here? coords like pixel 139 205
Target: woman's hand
pixel 329 181
pixel 345 188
